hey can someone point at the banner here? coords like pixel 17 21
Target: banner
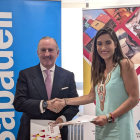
pixel 22 25
pixel 126 24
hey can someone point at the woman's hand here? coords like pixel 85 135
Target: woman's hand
pixel 100 120
pixel 61 101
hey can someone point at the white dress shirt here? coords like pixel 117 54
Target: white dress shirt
pixel 52 77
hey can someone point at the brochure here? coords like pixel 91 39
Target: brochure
pixel 82 119
pixel 44 130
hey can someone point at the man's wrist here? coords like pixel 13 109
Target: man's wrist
pixel 48 104
pixel 41 107
pixel 44 105
pixel 63 118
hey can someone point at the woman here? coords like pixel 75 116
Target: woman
pixel 114 87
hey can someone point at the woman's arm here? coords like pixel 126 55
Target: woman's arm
pixel 82 100
pixel 85 99
pixel 131 85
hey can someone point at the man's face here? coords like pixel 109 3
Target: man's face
pixel 47 52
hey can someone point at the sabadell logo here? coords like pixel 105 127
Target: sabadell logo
pixel 138 124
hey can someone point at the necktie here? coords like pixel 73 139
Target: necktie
pixel 48 83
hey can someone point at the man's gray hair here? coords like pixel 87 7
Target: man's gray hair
pixel 47 37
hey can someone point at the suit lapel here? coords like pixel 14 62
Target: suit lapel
pixel 38 82
pixel 57 82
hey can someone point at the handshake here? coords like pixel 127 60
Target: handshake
pixel 56 105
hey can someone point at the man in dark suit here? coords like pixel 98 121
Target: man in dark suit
pixel 31 96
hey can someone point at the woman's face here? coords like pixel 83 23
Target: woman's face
pixel 105 47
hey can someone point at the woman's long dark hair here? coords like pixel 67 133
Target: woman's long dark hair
pixel 98 64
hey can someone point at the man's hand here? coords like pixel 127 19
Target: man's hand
pixel 59 120
pixel 55 106
pixel 100 120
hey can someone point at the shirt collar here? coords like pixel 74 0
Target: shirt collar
pixel 43 68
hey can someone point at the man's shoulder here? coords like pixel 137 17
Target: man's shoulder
pixel 64 70
pixel 30 69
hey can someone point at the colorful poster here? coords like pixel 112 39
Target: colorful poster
pixel 22 25
pixel 126 23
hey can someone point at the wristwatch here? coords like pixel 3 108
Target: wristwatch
pixel 109 119
pixel 44 105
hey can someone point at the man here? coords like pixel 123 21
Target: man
pixel 33 97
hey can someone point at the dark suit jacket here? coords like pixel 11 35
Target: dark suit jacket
pixel 30 90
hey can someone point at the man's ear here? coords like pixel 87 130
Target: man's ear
pixel 58 53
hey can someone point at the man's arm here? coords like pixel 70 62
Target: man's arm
pixel 22 102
